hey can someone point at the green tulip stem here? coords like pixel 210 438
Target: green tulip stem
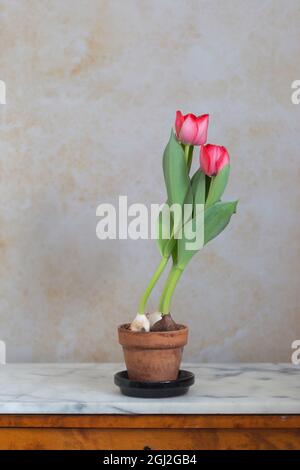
pixel 152 282
pixel 210 190
pixel 170 285
pixel 188 153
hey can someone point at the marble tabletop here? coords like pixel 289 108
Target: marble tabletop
pixel 89 389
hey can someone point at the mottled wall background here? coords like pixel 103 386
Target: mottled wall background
pixel 92 89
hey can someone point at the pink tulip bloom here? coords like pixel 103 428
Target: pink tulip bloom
pixel 191 130
pixel 213 158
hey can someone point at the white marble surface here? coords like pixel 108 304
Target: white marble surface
pixel 89 388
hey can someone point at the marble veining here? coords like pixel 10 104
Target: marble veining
pixel 88 388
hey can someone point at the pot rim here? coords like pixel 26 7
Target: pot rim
pixel 124 328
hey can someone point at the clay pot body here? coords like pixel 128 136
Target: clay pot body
pixel 152 356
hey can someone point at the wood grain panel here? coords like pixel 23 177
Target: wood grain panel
pixel 152 421
pixel 156 439
pixel 158 432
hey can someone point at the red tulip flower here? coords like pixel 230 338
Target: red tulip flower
pixel 191 130
pixel 213 158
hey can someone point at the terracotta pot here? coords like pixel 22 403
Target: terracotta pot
pixel 152 356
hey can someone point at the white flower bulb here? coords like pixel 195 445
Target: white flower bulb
pixel 154 318
pixel 140 323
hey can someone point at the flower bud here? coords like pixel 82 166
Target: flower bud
pixel 213 158
pixel 190 129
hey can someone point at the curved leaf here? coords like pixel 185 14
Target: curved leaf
pixel 178 187
pixel 185 252
pixel 175 172
pixel 215 219
pixel 217 186
pixel 198 183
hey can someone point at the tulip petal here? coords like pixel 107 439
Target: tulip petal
pixel 223 159
pixel 213 158
pixel 204 163
pixel 188 130
pixel 208 157
pixel 201 136
pixel 178 122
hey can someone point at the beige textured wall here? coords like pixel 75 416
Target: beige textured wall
pixel 92 88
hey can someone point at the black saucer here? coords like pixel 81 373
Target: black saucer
pixel 168 388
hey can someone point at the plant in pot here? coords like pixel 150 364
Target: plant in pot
pixel 191 217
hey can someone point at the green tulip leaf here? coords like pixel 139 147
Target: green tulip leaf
pixel 164 234
pixel 217 218
pixel 186 252
pixel 211 224
pixel 198 183
pixel 178 187
pixel 217 186
pixel 175 172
